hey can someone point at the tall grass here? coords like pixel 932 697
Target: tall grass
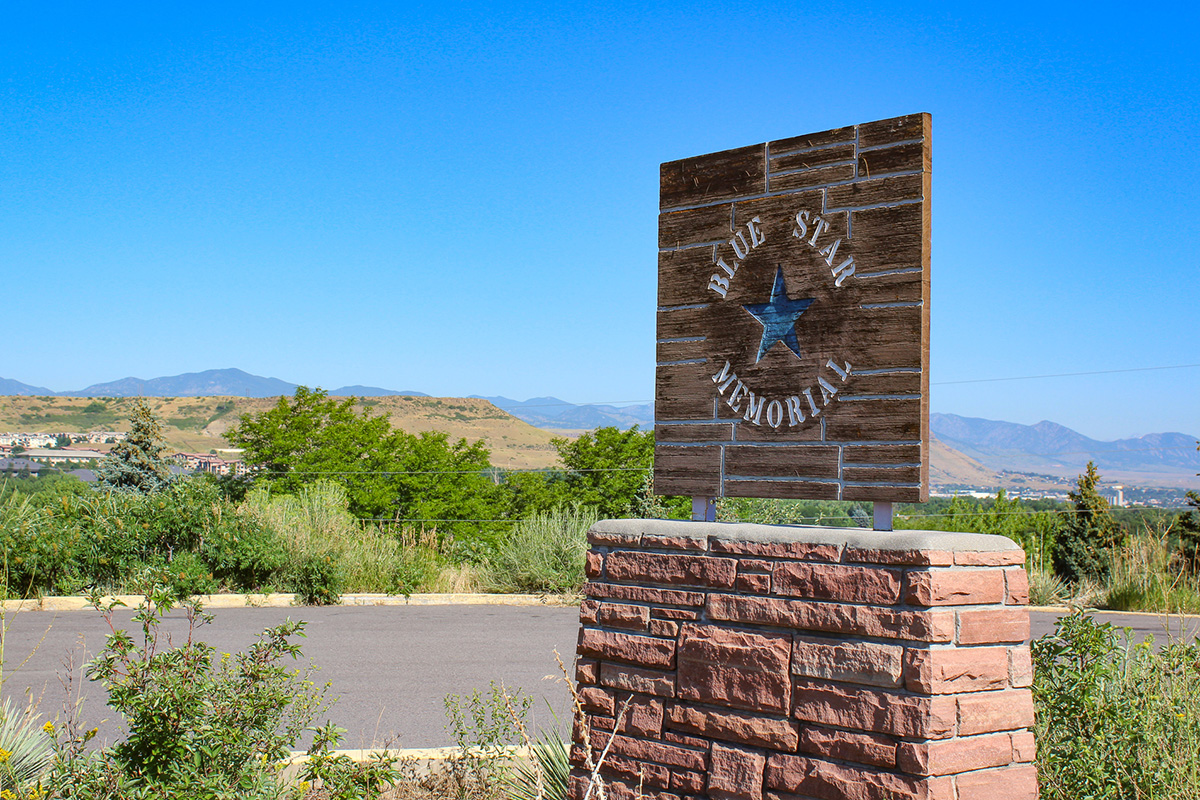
pixel 1148 575
pixel 545 553
pixel 325 543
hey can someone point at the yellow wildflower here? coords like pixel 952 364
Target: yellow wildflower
pixel 8 795
pixel 5 755
pixel 48 727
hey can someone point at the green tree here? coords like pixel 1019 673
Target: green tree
pixel 609 469
pixel 136 464
pixel 1085 542
pixel 387 473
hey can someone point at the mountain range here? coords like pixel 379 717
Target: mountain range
pixel 1046 447
pixel 1054 449
pixel 210 383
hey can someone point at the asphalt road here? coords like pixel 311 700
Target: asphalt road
pixel 389 666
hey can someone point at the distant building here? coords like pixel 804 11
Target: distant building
pixel 206 462
pixel 64 456
pixel 13 466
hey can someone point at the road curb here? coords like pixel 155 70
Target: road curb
pixel 284 600
pixel 1102 611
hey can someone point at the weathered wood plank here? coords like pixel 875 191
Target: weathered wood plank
pixel 683 432
pixel 694 226
pixel 802 461
pixel 687 470
pixel 716 176
pixel 897 129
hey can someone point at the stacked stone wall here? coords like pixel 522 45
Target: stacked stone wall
pixel 744 662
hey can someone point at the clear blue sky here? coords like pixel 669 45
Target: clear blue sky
pixel 462 198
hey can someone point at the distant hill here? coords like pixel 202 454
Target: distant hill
pixel 210 383
pixel 199 424
pixel 556 414
pixel 1054 449
pixel 372 391
pixel 11 387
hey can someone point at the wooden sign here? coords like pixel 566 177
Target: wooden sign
pixel 793 318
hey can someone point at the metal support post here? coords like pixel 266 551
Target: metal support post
pixel 704 509
pixel 883 515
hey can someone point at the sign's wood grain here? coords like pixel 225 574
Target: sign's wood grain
pixel 793 317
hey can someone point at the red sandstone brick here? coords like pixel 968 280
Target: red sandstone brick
pixel 676 737
pixel 850 584
pixel 586 670
pixel 948 670
pixel 1016 582
pixel 594 565
pixel 596 699
pixel 997 558
pixel 664 627
pixel 735 773
pixel 653 775
pixel 643 717
pixel 875 711
pixel 587 612
pixel 951 756
pixel 641 650
pixel 671 570
pixel 1024 746
pixel 863 748
pixel 954 587
pixel 658 752
pixel 829 781
pixel 986 712
pixel 1011 783
pixel 991 626
pixel 735 726
pixel 805 551
pixel 850 620
pixel 854 662
pixel 602 539
pixel 916 558
pixel 684 781
pixel 635 679
pixel 754 565
pixel 753 583
pixel 674 613
pixel 621 615
pixel 675 542
pixel 737 668
pixel 603 723
pixel 1020 666
pixel 642 594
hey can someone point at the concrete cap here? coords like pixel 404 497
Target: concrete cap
pixel 810 534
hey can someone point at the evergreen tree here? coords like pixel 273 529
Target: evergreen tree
pixel 136 464
pixel 1084 544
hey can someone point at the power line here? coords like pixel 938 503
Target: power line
pixel 1065 374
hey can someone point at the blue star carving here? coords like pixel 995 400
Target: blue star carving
pixel 778 317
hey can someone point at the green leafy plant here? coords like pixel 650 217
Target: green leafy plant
pixel 339 777
pixel 485 728
pixel 197 727
pixel 1115 718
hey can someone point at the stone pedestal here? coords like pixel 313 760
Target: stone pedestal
pixel 756 661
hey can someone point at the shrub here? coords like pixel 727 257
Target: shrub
pixel 545 553
pixel 1115 719
pixel 197 729
pixel 316 579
